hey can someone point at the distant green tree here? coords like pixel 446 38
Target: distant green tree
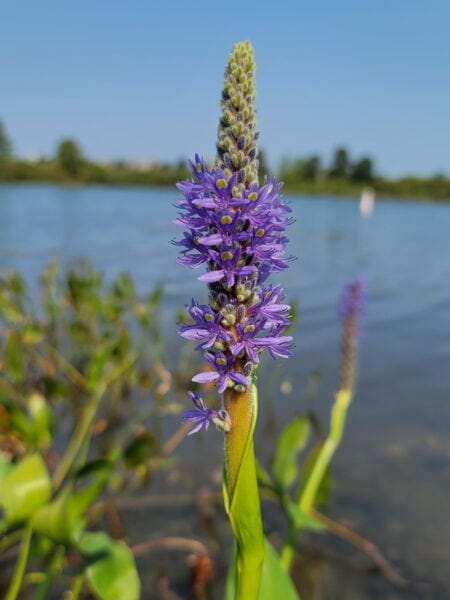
pixel 69 157
pixel 340 164
pixel 263 166
pixel 5 144
pixel 311 167
pixel 362 170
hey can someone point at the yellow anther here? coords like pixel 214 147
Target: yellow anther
pixel 226 220
pixel 221 183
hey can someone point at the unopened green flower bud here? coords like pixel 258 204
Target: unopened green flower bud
pixel 236 145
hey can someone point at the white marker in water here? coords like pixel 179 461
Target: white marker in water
pixel 367 201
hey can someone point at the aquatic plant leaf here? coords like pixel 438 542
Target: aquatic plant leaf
pixel 140 450
pixel 243 510
pixel 83 499
pixel 291 442
pixel 303 520
pixel 324 490
pixel 5 468
pixel 25 488
pixel 59 520
pixel 14 359
pixel 34 426
pixel 275 582
pixel 63 519
pixel 32 335
pixel 123 286
pixel 41 416
pixel 111 572
pixel 9 310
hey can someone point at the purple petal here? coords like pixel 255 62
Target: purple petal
pixel 197 427
pixel 236 348
pixel 238 378
pixel 211 240
pixel 204 202
pixel 206 377
pixel 212 276
pixel 194 333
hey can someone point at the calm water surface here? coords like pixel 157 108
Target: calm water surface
pixel 391 477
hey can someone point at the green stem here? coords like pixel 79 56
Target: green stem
pixel 19 571
pixel 240 410
pixel 10 539
pixel 81 432
pixel 308 495
pixel 54 566
pixel 242 496
pixel 77 587
pixel 78 438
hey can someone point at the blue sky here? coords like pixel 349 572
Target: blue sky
pixel 141 80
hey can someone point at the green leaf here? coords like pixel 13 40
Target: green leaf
pixel 292 441
pixel 25 488
pixel 63 519
pixel 140 450
pixel 124 286
pixel 9 310
pixel 323 492
pixel 275 582
pixel 59 520
pixel 83 499
pixel 111 572
pixel 5 468
pixel 13 357
pixel 41 416
pixel 304 520
pixel 264 479
pixel 32 335
pixel 35 428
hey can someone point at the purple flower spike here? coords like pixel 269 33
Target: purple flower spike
pixel 202 416
pixel 234 233
pixel 350 309
pixel 352 301
pixel 238 234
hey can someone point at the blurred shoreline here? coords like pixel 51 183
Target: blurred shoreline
pixel 123 174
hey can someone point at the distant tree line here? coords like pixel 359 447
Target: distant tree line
pixel 312 169
pixel 307 174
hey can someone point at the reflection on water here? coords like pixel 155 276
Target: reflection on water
pixel 391 477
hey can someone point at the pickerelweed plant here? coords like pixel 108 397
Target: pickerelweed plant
pixel 236 229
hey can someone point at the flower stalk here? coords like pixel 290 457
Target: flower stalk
pixel 236 229
pixel 350 309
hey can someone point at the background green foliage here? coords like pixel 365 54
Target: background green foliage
pixel 308 174
pixel 73 430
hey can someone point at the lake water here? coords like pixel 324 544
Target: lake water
pixel 391 476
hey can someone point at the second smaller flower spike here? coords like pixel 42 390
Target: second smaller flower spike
pixel 202 416
pixel 350 309
pixel 352 301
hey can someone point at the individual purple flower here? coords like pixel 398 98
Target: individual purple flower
pixel 224 374
pixel 206 327
pixel 202 416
